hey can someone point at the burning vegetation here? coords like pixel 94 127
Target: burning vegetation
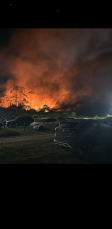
pixel 60 68
pixel 25 97
pixel 35 69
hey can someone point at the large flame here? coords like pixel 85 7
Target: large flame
pixel 40 67
pixel 31 99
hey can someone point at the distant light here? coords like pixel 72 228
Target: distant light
pixel 86 118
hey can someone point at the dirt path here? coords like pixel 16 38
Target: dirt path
pixel 25 138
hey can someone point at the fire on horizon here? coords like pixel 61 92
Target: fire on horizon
pixel 64 68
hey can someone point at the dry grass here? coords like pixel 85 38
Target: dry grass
pixel 34 147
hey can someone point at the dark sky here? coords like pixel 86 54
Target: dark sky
pixel 72 67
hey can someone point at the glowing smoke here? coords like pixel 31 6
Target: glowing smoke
pixel 57 67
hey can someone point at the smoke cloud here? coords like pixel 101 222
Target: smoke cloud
pixel 57 67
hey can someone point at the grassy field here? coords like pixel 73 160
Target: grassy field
pixel 34 147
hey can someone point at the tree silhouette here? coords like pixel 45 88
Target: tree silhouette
pixel 18 96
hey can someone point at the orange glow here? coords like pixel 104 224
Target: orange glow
pixel 27 97
pixel 38 69
pixel 33 100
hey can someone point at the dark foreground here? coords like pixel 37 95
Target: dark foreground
pixel 34 147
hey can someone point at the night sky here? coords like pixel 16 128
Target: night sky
pixel 66 68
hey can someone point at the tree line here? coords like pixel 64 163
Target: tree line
pixel 14 111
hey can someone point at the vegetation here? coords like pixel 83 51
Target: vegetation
pixel 109 116
pixel 34 147
pixel 96 116
pixel 15 111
